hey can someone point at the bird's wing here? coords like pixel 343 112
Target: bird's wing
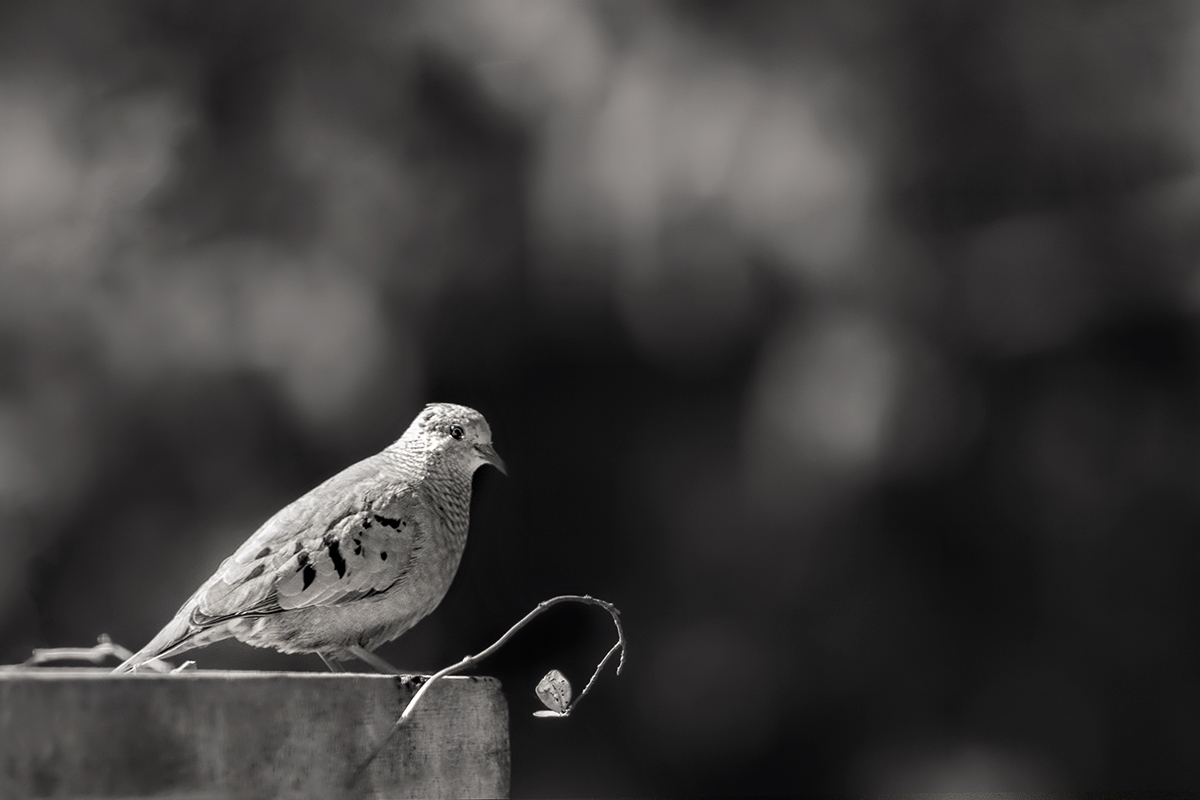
pixel 348 539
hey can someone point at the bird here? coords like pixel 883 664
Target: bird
pixel 355 562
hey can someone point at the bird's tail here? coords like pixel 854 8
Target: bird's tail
pixel 178 635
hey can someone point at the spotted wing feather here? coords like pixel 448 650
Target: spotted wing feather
pixel 349 562
pixel 362 555
pixel 304 558
pixel 337 530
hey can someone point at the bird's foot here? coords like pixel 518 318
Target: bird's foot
pixel 412 682
pixel 333 665
pixel 374 661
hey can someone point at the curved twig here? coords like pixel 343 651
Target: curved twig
pixel 104 648
pixel 470 661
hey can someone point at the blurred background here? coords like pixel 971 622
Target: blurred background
pixel 851 348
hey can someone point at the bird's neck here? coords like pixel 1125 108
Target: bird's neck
pixel 446 479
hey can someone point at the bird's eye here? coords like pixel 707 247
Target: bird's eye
pixel 456 431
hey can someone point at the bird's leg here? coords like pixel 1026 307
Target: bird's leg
pixel 366 656
pixel 333 665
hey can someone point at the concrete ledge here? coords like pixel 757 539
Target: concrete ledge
pixel 202 734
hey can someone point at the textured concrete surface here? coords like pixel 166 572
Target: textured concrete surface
pixel 83 732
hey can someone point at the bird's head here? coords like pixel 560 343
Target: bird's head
pixel 459 433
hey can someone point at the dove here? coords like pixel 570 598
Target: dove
pixel 353 563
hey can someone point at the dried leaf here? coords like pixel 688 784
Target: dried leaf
pixel 554 690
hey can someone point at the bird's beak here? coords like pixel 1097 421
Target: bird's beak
pixel 491 456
